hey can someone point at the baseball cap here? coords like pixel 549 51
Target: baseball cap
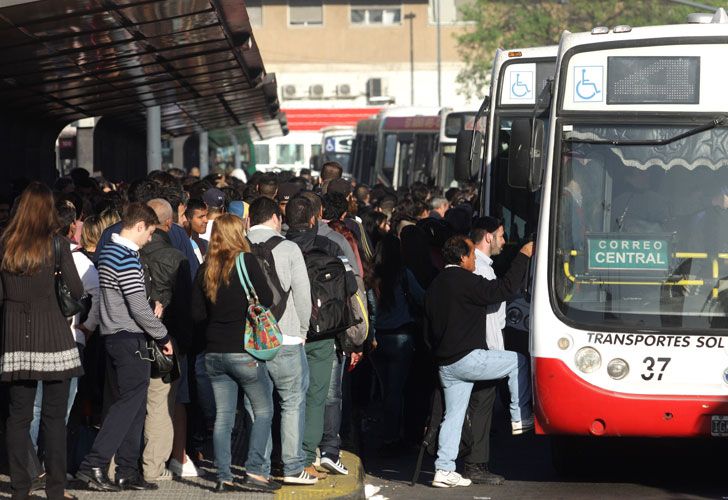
pixel 214 198
pixel 239 208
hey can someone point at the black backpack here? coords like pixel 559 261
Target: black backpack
pixel 264 253
pixel 331 289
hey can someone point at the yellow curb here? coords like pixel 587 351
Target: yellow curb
pixel 335 486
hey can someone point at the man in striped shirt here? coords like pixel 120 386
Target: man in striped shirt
pixel 127 320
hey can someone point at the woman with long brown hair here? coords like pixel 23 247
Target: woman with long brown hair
pixel 218 300
pixel 36 343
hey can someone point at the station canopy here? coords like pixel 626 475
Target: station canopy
pixel 63 60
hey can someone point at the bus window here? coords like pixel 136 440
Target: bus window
pixel 262 154
pixel 423 158
pixel 390 156
pixel 289 154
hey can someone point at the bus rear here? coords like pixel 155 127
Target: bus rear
pixel 630 297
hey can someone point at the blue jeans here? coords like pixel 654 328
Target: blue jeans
pixel 332 413
pixel 204 391
pixel 392 361
pixel 457 384
pixel 227 372
pixel 289 372
pixel 72 390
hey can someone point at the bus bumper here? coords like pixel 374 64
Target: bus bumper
pixel 566 404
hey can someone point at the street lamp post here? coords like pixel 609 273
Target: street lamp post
pixel 410 17
pixel 439 53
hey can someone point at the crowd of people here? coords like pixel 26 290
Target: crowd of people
pixel 381 298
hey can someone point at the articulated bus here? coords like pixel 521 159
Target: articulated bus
pixel 452 121
pixel 397 147
pixel 291 152
pixel 629 315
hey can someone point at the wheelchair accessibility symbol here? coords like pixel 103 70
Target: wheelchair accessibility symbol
pixel 522 85
pixel 588 84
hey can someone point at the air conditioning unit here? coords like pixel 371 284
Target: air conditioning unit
pixel 343 90
pixel 316 91
pixel 289 91
pixel 374 87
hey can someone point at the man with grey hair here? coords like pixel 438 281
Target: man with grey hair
pixel 438 207
pixel 168 269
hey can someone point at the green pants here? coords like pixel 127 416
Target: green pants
pixel 320 356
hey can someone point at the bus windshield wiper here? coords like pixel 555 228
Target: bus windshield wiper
pixel 717 122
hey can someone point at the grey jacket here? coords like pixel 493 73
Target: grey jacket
pixel 292 274
pixel 325 231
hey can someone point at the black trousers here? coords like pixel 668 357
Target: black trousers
pixel 53 429
pixel 121 431
pixel 480 416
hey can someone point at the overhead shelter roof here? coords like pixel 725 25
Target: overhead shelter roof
pixel 63 60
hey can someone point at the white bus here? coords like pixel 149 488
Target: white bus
pixel 291 152
pixel 397 147
pixel 336 142
pixel 629 317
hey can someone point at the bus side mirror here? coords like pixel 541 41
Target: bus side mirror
pixel 467 155
pixel 525 154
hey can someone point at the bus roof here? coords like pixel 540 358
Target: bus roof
pixel 519 75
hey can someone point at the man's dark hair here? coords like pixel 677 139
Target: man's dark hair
pixel 138 212
pixel 361 192
pixel 335 205
pixel 268 185
pixel 194 204
pixel 331 170
pixel 142 190
pixel 299 212
pixel 315 201
pixel 451 193
pixel 455 249
pixel 483 226
pixel 420 192
pixel 66 216
pixel 418 207
pixel 177 173
pixel 262 210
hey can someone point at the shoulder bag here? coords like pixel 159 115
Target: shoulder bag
pixel 69 306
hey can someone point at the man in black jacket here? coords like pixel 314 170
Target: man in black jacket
pixel 456 320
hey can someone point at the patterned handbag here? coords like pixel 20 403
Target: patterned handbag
pixel 263 337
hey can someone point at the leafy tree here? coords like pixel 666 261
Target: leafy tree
pixel 533 23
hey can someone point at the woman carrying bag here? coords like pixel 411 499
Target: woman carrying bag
pixel 220 299
pixel 36 344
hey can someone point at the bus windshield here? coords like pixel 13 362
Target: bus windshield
pixel 642 229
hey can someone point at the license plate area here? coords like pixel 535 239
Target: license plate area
pixel 719 425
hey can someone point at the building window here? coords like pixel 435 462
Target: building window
pixel 306 13
pixel 255 12
pixel 450 11
pixel 376 15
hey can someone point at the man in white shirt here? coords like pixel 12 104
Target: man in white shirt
pixel 487 235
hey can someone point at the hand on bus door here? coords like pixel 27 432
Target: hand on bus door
pixel 527 249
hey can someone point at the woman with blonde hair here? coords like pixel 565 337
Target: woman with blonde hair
pixel 36 344
pixel 219 300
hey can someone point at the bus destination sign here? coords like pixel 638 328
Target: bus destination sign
pixel 620 252
pixel 653 80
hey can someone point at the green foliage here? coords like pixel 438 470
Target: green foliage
pixel 533 23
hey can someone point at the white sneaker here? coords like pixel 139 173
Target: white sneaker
pixel 336 467
pixel 165 475
pixel 187 469
pixel 449 479
pixel 522 426
pixel 303 478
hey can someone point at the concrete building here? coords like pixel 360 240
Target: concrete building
pixel 355 55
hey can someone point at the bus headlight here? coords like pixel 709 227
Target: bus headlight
pixel 564 343
pixel 617 368
pixel 588 359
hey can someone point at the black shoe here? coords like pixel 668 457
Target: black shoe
pixel 225 487
pixel 135 483
pixel 252 484
pixel 479 474
pixel 96 479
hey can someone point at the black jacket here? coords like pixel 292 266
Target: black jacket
pixel 455 308
pixel 169 273
pixel 308 239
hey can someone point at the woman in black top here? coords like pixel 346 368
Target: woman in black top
pixel 37 344
pixel 218 299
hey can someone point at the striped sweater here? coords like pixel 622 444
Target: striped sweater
pixel 124 305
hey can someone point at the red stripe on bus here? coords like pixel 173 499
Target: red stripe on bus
pixel 318 118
